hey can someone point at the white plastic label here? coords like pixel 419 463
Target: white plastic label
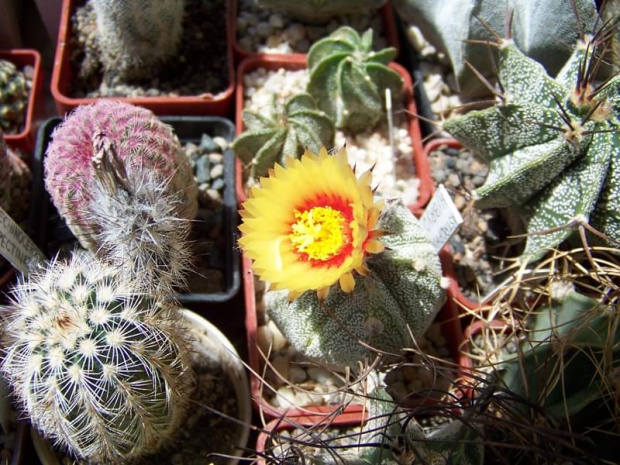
pixel 441 218
pixel 16 246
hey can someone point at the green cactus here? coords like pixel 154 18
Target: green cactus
pixel 288 130
pixel 14 93
pixel 551 145
pixel 456 27
pixel 317 11
pixel 99 366
pixel 135 35
pixel 349 80
pixel 399 298
pixel 15 178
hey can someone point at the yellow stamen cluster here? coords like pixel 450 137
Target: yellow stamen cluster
pixel 318 232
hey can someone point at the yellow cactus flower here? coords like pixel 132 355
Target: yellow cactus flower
pixel 310 224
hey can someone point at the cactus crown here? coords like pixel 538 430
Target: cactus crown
pixel 98 365
pixel 289 129
pixel 136 34
pixel 121 180
pixel 551 144
pixel 13 96
pixel 348 79
pixel 316 11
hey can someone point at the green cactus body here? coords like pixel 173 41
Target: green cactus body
pixel 317 11
pixel 551 146
pixel 121 180
pixel 15 177
pixel 13 96
pixel 399 298
pixel 136 34
pixel 348 79
pixel 291 128
pixel 100 367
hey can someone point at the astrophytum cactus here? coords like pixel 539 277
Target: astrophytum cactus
pixel 348 79
pixel 288 130
pixel 348 276
pixel 316 11
pixel 135 35
pixel 99 367
pixel 13 96
pixel 122 182
pixel 552 145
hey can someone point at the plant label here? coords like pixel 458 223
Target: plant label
pixel 16 246
pixel 441 218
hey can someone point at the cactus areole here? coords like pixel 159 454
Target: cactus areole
pixel 552 145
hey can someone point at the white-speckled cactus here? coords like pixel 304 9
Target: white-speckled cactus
pixel 398 298
pixel 552 145
pixel 136 34
pixel 121 180
pixel 100 367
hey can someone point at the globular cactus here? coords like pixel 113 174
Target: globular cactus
pixel 344 276
pixel 99 366
pixel 348 79
pixel 317 11
pixel 135 35
pixel 121 180
pixel 14 91
pixel 551 145
pixel 15 180
pixel 288 130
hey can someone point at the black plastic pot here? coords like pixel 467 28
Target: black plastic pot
pixel 53 234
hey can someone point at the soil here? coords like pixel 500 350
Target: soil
pixel 199 67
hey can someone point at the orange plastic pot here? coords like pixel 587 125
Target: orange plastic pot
pixel 451 330
pixel 387 18
pixel 206 104
pixel 296 62
pixel 25 139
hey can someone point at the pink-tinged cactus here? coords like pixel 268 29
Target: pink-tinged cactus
pixel 122 182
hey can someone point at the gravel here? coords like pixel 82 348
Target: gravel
pixel 262 30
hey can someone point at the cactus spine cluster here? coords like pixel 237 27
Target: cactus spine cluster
pixel 348 79
pixel 399 297
pixel 99 365
pixel 316 11
pixel 293 126
pixel 14 93
pixel 551 145
pixel 134 35
pixel 120 179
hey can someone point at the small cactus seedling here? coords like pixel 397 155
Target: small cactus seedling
pixel 15 179
pixel 317 11
pixel 122 182
pixel 13 97
pixel 291 127
pixel 551 145
pixel 348 79
pixel 135 35
pixel 99 366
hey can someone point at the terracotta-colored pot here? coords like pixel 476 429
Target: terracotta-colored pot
pixel 297 62
pixel 387 18
pixel 206 104
pixel 315 423
pixel 25 139
pixel 451 330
